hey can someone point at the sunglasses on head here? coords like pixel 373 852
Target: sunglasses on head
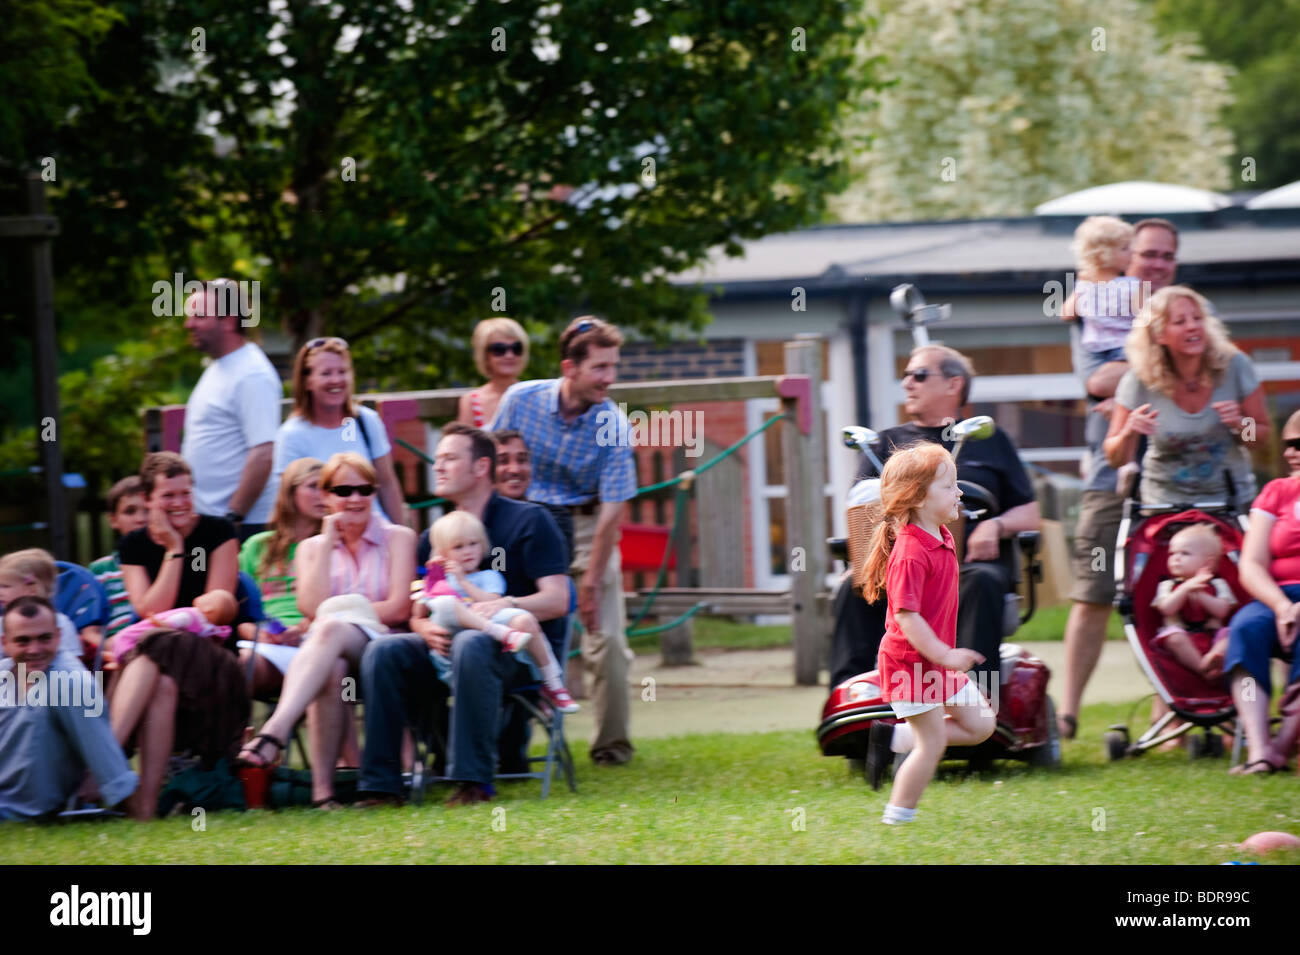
pixel 920 374
pixel 1292 443
pixel 347 490
pixel 501 349
pixel 317 342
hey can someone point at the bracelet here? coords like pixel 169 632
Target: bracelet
pixel 174 556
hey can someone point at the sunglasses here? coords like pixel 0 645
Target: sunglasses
pixel 920 374
pixel 1292 444
pixel 317 342
pixel 347 490
pixel 501 349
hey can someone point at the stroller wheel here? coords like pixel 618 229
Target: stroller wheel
pixel 1196 747
pixel 1116 744
pixel 1214 745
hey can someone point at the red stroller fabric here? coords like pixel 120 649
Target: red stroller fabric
pixel 1145 558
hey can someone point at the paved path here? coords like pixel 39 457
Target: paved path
pixel 752 691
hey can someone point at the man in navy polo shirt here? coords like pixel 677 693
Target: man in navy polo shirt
pixel 397 675
pixel 584 471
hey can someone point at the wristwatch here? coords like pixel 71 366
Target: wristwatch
pixel 234 517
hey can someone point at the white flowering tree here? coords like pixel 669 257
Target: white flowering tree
pixel 998 105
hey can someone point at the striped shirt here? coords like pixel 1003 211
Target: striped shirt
pixel 366 574
pixel 108 572
pixel 581 461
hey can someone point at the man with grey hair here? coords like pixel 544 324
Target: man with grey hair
pixel 232 414
pixel 936 385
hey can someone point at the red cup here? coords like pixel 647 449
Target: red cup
pixel 255 780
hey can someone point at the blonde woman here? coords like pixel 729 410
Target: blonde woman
pixel 1197 399
pixel 500 353
pixel 326 421
pixel 268 558
pixel 357 553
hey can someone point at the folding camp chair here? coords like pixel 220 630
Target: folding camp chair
pixel 528 699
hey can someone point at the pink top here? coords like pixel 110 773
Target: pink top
pixel 1281 500
pixel 368 573
pixel 182 618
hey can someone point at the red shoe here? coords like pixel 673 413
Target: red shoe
pixel 515 640
pixel 560 699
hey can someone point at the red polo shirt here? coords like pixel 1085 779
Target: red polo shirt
pixel 922 577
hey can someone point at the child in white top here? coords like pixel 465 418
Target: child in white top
pixel 1193 602
pixel 1105 300
pixel 459 542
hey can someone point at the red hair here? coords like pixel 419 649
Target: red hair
pixel 904 486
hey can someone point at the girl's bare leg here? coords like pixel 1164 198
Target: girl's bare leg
pixel 132 695
pixel 155 738
pixel 1252 710
pixel 326 717
pixel 311 670
pixel 918 769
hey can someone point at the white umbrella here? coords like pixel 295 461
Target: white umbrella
pixel 1120 198
pixel 1283 197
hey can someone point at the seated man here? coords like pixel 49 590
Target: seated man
pixel 936 385
pixel 52 720
pixel 398 680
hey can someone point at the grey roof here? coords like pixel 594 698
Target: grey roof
pixel 846 255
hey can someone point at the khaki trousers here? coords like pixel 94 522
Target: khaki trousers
pixel 604 649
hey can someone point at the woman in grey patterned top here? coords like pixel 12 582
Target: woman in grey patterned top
pixel 1197 399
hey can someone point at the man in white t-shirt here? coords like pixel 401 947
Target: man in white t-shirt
pixel 233 412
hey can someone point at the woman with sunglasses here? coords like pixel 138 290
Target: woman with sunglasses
pixel 500 348
pixel 325 421
pixel 357 552
pixel 1266 627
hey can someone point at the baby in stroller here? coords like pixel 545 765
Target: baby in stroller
pixel 1194 603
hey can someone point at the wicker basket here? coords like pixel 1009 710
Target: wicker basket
pixel 862 524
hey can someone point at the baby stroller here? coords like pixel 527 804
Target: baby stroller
pixel 1141 552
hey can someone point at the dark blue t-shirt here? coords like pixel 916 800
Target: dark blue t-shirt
pixel 525 545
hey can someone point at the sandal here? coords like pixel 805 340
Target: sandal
pixel 254 748
pixel 329 804
pixel 1067 726
pixel 1245 768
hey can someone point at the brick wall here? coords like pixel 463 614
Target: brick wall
pixel 642 361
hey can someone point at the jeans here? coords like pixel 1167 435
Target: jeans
pixel 1252 643
pixel 400 689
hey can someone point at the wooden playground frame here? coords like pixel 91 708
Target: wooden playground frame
pixel 803 451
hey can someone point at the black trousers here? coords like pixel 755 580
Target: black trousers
pixel 860 626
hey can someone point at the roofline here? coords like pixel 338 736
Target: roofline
pixel 836 283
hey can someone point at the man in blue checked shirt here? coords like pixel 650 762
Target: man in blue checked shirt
pixel 584 471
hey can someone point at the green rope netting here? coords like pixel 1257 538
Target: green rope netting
pixel 684 483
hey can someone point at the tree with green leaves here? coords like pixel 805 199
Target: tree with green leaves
pixel 1261 41
pixel 392 171
pixel 994 107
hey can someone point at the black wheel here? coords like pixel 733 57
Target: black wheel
pixel 1214 745
pixel 1048 756
pixel 1116 744
pixel 1195 746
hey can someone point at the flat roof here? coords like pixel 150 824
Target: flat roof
pixel 842 256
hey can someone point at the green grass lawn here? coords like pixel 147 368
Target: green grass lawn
pixel 1047 623
pixel 741 799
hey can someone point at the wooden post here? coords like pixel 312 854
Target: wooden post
pixel 41 269
pixel 803 445
pixel 675 644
